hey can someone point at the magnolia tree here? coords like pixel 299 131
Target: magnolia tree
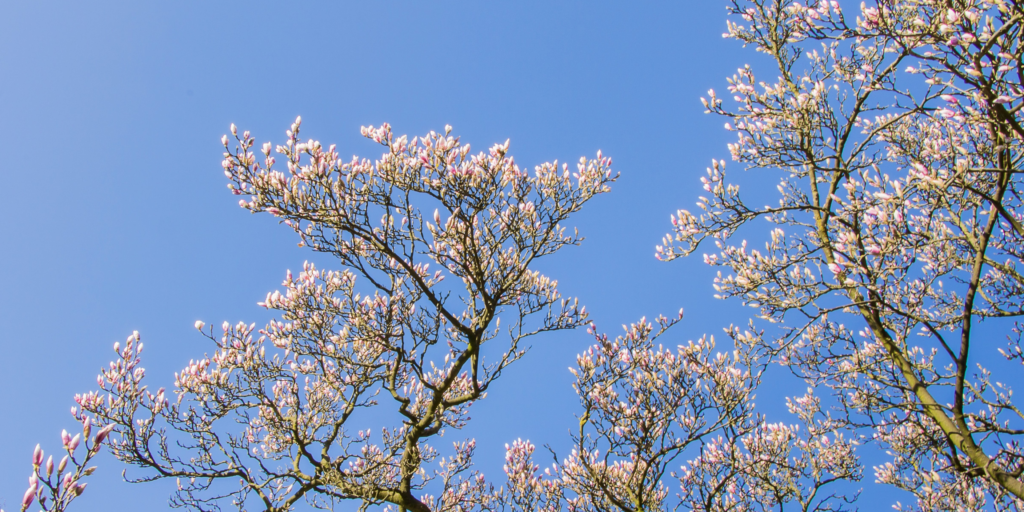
pixel 436 295
pixel 895 132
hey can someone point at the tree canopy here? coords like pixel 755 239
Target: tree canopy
pixel 894 131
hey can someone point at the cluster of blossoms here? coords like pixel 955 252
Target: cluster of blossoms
pixel 55 486
pixel 774 465
pixel 897 131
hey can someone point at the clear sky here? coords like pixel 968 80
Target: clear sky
pixel 116 216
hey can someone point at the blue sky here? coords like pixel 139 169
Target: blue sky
pixel 116 216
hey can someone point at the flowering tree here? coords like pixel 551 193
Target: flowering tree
pixel 897 134
pixel 896 131
pixel 267 418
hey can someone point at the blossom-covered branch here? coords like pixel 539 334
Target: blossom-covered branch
pixel 645 406
pixel 55 486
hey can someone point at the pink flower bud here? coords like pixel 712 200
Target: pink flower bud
pixel 65 437
pixel 199 325
pixel 30 495
pixel 102 434
pixel 80 488
pixel 49 465
pixel 234 129
pixel 37 456
pixel 74 442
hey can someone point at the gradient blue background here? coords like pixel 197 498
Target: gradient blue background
pixel 116 216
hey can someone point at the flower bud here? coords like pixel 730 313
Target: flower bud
pixel 37 456
pixel 74 442
pixel 30 495
pixel 49 465
pixel 199 325
pixel 102 434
